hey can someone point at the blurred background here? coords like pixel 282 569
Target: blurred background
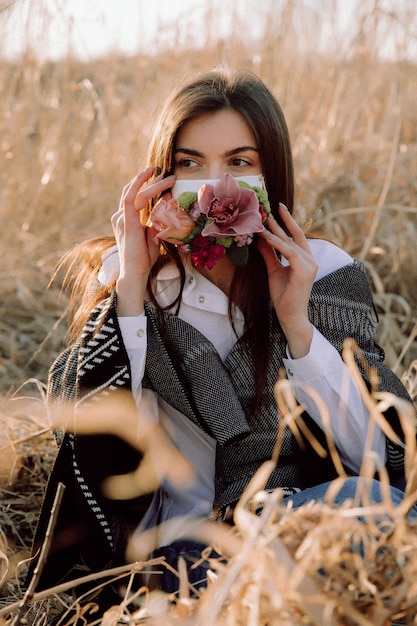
pixel 81 83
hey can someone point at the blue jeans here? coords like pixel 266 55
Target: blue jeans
pixel 191 550
pixel 347 492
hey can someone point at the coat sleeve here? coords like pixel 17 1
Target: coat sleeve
pixel 91 530
pixel 342 307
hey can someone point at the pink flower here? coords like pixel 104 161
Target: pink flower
pixel 205 253
pixel 172 223
pixel 230 209
pixel 243 240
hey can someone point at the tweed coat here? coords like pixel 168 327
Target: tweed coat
pixel 185 370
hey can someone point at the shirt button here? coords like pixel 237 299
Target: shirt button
pixel 290 372
pixel 201 298
pixel 191 280
pixel 140 332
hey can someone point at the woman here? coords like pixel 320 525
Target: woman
pixel 196 324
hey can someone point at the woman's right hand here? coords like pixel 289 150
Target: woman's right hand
pixel 138 248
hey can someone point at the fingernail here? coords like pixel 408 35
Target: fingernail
pixel 282 206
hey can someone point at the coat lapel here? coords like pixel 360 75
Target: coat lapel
pixel 187 372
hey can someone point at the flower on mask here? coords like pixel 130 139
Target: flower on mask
pixel 231 210
pixel 172 223
pixel 224 219
pixel 205 252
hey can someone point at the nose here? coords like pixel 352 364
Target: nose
pixel 215 171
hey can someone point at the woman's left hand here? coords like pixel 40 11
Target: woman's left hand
pixel 290 285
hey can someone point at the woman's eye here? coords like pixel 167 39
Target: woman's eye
pixel 240 162
pixel 186 163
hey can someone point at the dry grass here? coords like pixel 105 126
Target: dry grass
pixel 72 134
pixel 318 565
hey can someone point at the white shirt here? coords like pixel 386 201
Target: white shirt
pixel 206 308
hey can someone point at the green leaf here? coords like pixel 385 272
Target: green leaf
pixel 263 199
pixel 226 242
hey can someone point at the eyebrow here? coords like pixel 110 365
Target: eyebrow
pixel 229 153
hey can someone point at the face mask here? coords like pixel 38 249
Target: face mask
pixel 194 185
pixel 212 218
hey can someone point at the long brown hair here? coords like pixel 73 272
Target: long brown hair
pixel 210 92
pixel 244 92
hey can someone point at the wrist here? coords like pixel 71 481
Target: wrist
pixel 299 337
pixel 130 299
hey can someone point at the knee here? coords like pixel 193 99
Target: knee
pixel 368 490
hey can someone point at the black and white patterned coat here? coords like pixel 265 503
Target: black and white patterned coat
pixel 186 371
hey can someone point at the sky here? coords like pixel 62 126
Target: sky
pixel 94 27
pixel 91 28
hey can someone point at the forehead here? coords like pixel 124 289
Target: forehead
pixel 226 128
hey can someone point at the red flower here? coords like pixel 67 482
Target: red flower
pixel 204 252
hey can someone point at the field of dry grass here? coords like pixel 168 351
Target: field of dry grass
pixel 73 133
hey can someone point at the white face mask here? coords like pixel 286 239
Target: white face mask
pixel 194 185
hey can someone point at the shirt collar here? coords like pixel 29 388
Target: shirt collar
pixel 198 292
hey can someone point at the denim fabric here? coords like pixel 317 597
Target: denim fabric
pixel 347 492
pixel 192 551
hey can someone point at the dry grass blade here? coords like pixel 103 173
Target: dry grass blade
pixel 4 561
pixel 27 598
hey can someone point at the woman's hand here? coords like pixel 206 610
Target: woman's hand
pixel 138 249
pixel 290 286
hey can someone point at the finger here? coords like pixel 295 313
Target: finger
pixel 152 190
pixel 265 248
pixel 290 231
pixel 299 259
pixel 286 245
pixel 272 226
pixel 135 184
pixel 269 255
pixel 117 215
pixel 293 228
